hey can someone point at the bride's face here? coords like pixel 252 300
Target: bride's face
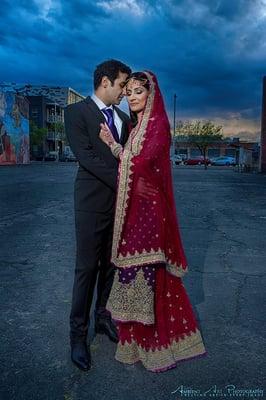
pixel 136 95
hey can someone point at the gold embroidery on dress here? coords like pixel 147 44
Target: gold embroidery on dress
pixel 132 148
pixel 132 301
pixel 162 357
pixel 139 138
pixel 122 197
pixel 150 257
pixel 176 270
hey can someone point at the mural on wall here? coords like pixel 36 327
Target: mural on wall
pixel 14 129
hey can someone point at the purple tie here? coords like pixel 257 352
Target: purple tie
pixel 110 122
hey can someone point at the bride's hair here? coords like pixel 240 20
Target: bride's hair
pixel 142 77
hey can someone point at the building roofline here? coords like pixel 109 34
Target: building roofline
pixel 23 85
pixel 73 90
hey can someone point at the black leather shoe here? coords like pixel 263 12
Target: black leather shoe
pixel 107 327
pixel 80 356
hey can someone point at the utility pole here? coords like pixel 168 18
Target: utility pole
pixel 173 152
pixel 174 111
pixel 55 133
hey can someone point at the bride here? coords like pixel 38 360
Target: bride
pixel 148 302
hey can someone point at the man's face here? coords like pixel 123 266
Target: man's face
pixel 114 93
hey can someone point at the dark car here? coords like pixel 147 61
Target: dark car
pixel 37 156
pixel 51 156
pixel 198 160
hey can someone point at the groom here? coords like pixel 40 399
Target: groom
pixel 94 202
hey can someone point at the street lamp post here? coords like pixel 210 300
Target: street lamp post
pixel 55 133
pixel 174 111
pixel 174 124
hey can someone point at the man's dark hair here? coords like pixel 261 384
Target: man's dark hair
pixel 111 69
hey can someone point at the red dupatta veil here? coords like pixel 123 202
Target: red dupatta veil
pixel 155 321
pixel 146 230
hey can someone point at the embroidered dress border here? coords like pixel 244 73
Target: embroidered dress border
pixel 164 357
pixel 150 257
pixel 139 138
pixel 176 270
pixel 132 148
pixel 122 197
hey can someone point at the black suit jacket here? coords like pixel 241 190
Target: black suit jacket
pixel 96 180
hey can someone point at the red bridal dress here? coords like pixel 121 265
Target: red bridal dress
pixel 155 320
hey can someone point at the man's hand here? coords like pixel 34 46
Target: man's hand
pixel 145 189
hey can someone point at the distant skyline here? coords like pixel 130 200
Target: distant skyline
pixel 211 53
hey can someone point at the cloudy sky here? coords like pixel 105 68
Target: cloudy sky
pixel 211 53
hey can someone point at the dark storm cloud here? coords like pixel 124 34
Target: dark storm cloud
pixel 77 14
pixel 47 46
pixel 231 10
pixel 220 55
pixel 211 53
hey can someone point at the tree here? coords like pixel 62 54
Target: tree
pixel 59 128
pixel 202 134
pixel 37 136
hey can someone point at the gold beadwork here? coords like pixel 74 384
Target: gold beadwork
pixel 132 301
pixel 162 356
pixel 149 257
pixel 132 148
pixel 176 270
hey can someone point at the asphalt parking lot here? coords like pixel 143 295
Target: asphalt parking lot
pixel 222 217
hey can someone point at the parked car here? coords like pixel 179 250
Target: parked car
pixel 198 160
pixel 68 156
pixel 37 156
pixel 51 156
pixel 176 159
pixel 183 156
pixel 225 160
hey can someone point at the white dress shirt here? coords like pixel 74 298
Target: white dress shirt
pixel 117 120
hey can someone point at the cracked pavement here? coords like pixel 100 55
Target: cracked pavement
pixel 222 217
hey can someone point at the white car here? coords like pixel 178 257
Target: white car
pixel 176 159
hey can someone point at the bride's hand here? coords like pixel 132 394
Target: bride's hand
pixel 106 135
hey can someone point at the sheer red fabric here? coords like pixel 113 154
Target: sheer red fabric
pixel 146 230
pixel 155 320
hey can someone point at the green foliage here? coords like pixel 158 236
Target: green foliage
pixel 198 131
pixel 202 134
pixel 57 127
pixel 37 135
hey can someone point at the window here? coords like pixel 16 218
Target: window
pixel 230 152
pixel 213 152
